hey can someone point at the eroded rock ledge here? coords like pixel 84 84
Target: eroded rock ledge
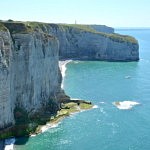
pixel 30 79
pixel 27 124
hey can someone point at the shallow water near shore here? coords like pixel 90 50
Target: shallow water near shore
pixel 106 127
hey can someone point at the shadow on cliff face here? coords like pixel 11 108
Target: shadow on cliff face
pixel 21 141
pixel 1 144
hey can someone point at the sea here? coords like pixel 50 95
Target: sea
pixel 120 92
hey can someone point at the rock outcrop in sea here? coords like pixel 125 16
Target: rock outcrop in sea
pixel 30 78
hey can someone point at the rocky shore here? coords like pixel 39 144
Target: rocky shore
pixel 68 108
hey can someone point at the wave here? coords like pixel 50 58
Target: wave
pixel 63 141
pixel 9 144
pixel 102 110
pixel 63 68
pixel 48 126
pixel 76 62
pixel 145 60
pixel 102 102
pixel 76 98
pixel 125 104
pixel 95 106
pixel 127 77
pixel 33 135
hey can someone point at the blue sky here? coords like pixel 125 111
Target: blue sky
pixel 115 13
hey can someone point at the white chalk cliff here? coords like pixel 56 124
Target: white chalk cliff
pixel 29 55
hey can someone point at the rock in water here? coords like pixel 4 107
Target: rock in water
pixel 125 104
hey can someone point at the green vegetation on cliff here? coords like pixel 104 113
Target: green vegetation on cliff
pixel 122 38
pixel 27 124
pixel 2 27
pixel 82 27
pixel 113 36
pixel 27 27
pixel 22 27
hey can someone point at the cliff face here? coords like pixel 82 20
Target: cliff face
pixel 83 44
pixel 29 54
pixel 35 75
pixel 29 73
pixel 6 103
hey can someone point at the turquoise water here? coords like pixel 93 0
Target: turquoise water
pixel 105 127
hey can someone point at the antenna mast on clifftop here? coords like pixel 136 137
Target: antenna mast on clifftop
pixel 75 22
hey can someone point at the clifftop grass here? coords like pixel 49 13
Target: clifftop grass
pixel 79 26
pixel 2 27
pixel 27 27
pixel 122 38
pixel 114 36
pixel 21 27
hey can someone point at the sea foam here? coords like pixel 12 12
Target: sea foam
pixel 102 102
pixel 63 68
pixel 95 106
pixel 127 77
pixel 125 104
pixel 9 144
pixel 48 126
